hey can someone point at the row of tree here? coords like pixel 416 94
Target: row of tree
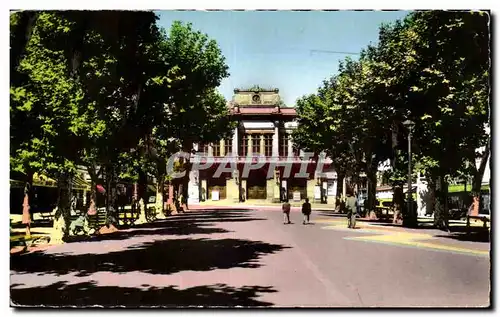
pixel 432 68
pixel 111 91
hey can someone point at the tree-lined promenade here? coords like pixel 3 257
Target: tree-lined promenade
pixel 111 91
pixel 432 69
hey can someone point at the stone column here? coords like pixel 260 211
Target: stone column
pixel 249 147
pixel 262 144
pixel 204 189
pixel 194 187
pixel 271 190
pixel 222 147
pixel 276 140
pixel 210 150
pixel 290 147
pixel 243 188
pixel 235 142
pixel 232 190
pixel 311 184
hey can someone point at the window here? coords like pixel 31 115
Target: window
pixel 284 145
pixel 228 147
pixel 244 146
pixel 256 144
pixel 203 148
pixel 268 145
pixel 216 148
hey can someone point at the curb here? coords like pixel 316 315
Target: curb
pixel 244 206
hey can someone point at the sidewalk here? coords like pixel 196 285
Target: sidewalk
pixel 255 203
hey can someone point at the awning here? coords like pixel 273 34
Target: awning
pixel 44 181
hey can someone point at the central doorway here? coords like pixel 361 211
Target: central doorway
pixel 256 184
pixel 217 184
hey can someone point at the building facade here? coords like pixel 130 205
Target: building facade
pixel 259 161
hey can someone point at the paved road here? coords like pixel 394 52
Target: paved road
pixel 248 258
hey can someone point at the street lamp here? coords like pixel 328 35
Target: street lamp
pixel 409 125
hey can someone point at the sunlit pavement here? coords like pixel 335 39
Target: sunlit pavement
pixel 250 258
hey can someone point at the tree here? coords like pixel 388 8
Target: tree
pixel 198 112
pixel 432 68
pixel 82 93
pixel 450 76
pixel 48 97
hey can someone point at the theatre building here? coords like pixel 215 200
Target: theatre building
pixel 264 130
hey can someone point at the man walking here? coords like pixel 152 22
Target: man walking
pixel 286 212
pixel 351 206
pixel 306 211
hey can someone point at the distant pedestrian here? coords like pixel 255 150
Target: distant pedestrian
pixel 283 194
pixel 351 206
pixel 306 211
pixel 286 212
pixel 26 218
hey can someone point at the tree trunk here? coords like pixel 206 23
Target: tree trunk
pixel 159 197
pixel 477 181
pixel 431 202
pixel 111 201
pixel 92 209
pixel 184 189
pixel 62 216
pixel 338 194
pixel 441 204
pixel 184 182
pixel 142 195
pixel 372 191
pixel 172 209
pixel 397 202
pixel 28 195
pixel 135 200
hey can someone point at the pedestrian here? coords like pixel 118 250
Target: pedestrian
pixel 351 206
pixel 286 212
pixel 283 194
pixel 26 218
pixel 306 211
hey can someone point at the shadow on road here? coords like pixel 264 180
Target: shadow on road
pixel 89 294
pixel 182 224
pixel 165 256
pixel 157 257
pixel 480 236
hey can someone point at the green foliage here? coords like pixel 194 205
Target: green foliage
pixel 432 68
pixel 195 112
pixel 89 89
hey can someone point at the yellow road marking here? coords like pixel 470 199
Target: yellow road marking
pixel 402 238
pixel 412 239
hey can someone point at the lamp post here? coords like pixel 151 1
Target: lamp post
pixel 409 125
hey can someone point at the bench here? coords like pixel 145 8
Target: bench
pixel 484 218
pixel 150 214
pixel 26 242
pixel 382 210
pixel 98 220
pixel 77 221
pixel 47 216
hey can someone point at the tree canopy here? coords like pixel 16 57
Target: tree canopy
pixel 111 91
pixel 432 68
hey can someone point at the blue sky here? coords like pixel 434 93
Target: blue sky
pixel 275 49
